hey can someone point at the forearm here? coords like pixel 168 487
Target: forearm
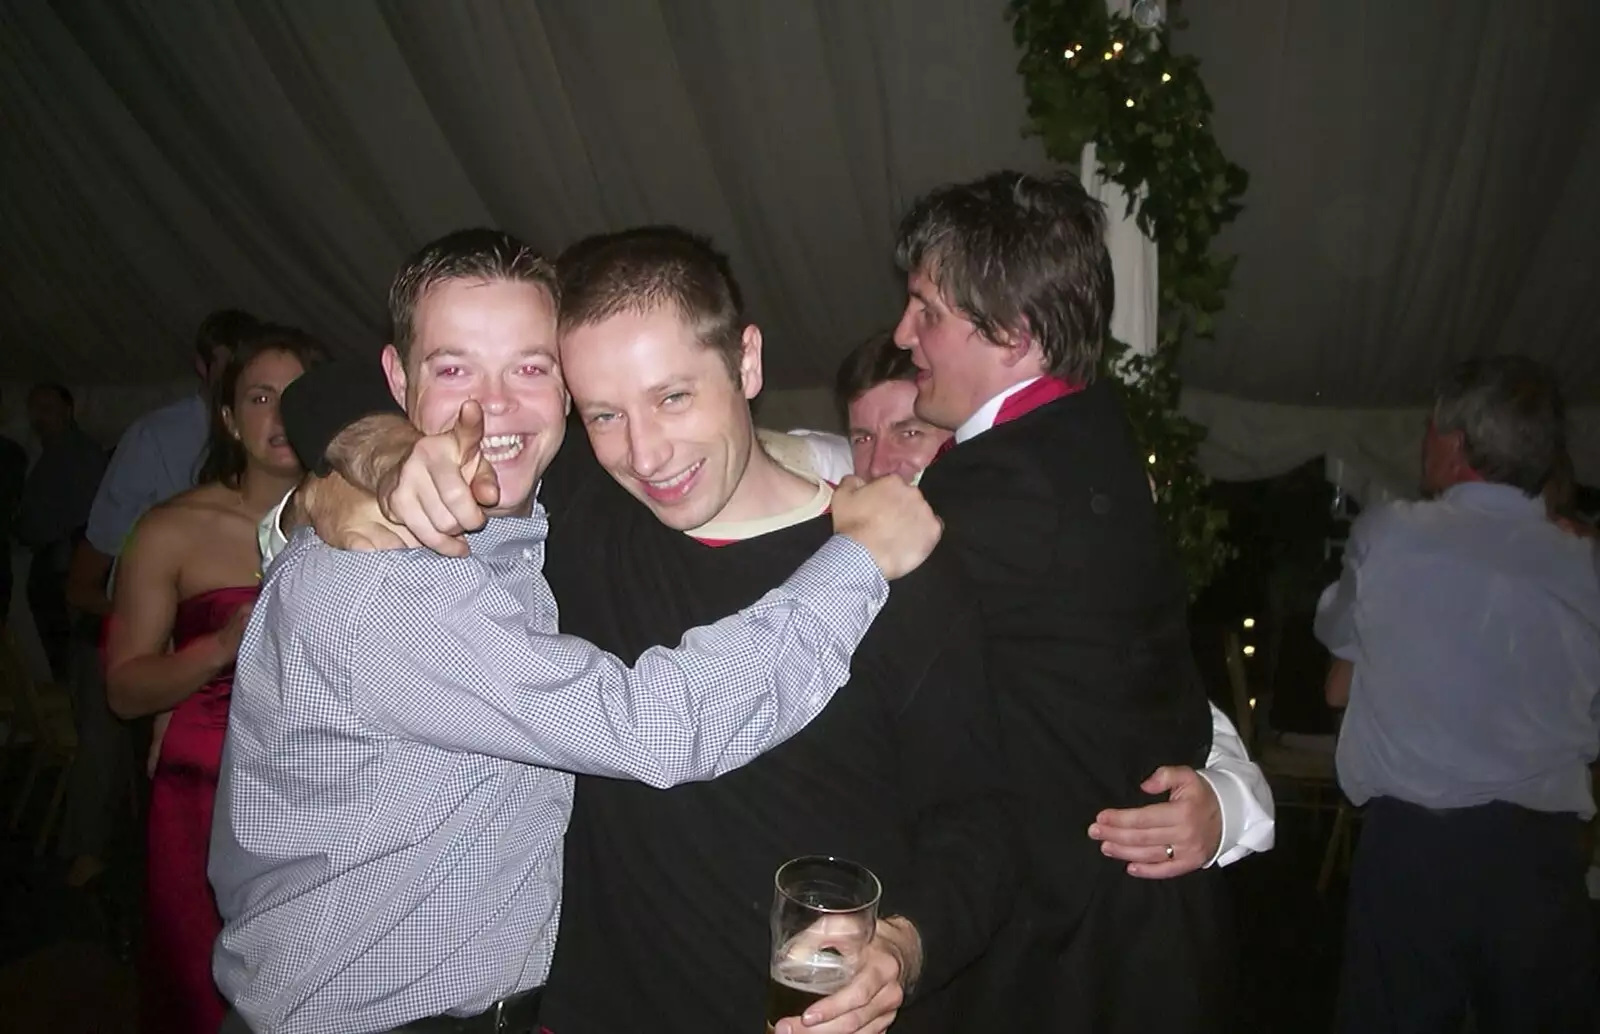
pixel 86 580
pixel 148 685
pixel 1336 690
pixel 902 937
pixel 372 450
pixel 728 693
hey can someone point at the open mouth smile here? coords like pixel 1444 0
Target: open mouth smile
pixel 503 448
pixel 669 490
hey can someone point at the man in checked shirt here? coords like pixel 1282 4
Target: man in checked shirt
pixel 387 850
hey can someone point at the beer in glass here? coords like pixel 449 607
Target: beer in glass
pixel 824 912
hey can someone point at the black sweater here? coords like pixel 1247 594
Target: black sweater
pixel 664 920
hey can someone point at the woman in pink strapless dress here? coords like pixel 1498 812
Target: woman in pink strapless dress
pixel 184 588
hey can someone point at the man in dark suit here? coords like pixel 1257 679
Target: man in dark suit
pixel 1044 495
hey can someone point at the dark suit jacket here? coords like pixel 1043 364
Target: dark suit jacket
pixel 1089 657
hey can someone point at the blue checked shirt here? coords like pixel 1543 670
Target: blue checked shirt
pixel 394 789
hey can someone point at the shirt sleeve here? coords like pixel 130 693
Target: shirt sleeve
pixel 1249 822
pixel 125 493
pixel 830 454
pixel 445 654
pixel 952 773
pixel 1335 624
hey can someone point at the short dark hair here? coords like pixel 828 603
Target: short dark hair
pixel 652 267
pixel 223 329
pixel 1012 250
pixel 225 458
pixel 875 361
pixel 1511 417
pixel 476 254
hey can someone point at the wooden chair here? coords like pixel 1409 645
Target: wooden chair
pixel 44 714
pixel 1300 769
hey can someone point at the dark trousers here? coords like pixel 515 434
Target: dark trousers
pixel 98 803
pixel 47 600
pixel 1482 907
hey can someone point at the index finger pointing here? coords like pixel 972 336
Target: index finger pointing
pixel 469 427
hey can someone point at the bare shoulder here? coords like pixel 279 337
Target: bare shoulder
pixel 188 516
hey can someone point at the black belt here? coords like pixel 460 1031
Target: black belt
pixel 516 1014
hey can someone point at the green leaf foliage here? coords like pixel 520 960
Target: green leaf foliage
pixel 1160 149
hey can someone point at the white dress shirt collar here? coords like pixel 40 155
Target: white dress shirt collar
pixel 984 418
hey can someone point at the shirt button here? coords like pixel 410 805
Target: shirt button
pixel 527 554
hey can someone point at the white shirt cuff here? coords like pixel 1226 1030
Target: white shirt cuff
pixel 1249 823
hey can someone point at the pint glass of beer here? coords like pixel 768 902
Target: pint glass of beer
pixel 824 911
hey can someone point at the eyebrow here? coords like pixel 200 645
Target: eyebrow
pixel 670 384
pixel 446 352
pixel 659 388
pixel 454 352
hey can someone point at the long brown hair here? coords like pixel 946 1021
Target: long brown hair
pixel 226 460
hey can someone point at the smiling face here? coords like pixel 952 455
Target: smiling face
pixel 664 414
pixel 253 417
pixel 493 341
pixel 886 436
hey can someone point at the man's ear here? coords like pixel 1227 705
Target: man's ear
pixel 750 374
pixel 394 371
pixel 1018 342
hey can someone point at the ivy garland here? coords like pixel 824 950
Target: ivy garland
pixel 1096 77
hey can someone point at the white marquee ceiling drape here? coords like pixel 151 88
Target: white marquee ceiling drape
pixel 1422 178
pixel 1423 188
pixel 163 158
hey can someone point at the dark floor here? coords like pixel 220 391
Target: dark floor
pixel 66 955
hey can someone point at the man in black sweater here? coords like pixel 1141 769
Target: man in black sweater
pixel 1045 498
pixel 901 773
pixel 666 507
